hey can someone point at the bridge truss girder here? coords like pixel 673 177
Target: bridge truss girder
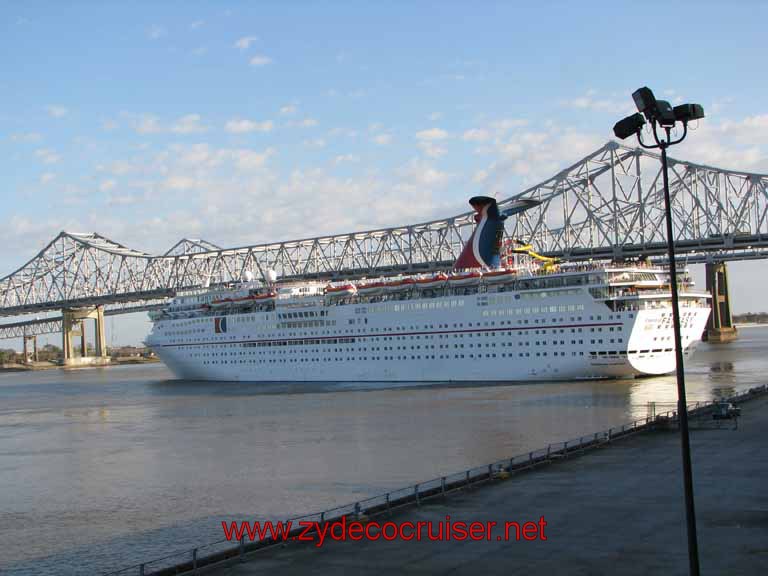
pixel 607 205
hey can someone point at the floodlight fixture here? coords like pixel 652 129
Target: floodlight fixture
pixel 645 101
pixel 664 114
pixel 629 126
pixel 687 112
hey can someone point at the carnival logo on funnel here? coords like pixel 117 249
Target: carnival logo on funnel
pixel 483 247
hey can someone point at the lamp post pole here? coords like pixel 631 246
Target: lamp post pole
pixel 682 405
pixel 659 113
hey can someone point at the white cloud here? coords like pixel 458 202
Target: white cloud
pixel 382 139
pixel 305 123
pixel 234 195
pixel 346 158
pixel 47 156
pixel 504 125
pixel 431 149
pixel 260 60
pixel 245 42
pixel 147 124
pixel 56 111
pixel 347 132
pixel 480 177
pixel 432 134
pixel 428 140
pixel 199 155
pixel 719 104
pixel 243 126
pixel 315 143
pixel 47 177
pixel 733 144
pixel 156 32
pixel 424 174
pixel 179 182
pixel 476 135
pixel 26 137
pixel 189 124
pixel 121 199
pixel 247 160
pixel 196 24
pixel 592 101
pixel 121 167
pixel 533 156
pixel 288 109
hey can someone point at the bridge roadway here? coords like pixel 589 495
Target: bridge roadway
pixel 608 205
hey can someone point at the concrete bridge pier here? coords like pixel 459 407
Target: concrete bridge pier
pixel 73 324
pixel 720 326
pixel 30 355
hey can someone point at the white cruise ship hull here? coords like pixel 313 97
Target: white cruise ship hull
pixel 504 336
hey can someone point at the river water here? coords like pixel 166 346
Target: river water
pixel 104 468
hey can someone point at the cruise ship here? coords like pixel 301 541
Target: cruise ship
pixel 504 313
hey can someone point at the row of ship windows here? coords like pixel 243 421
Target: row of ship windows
pixel 330 341
pixel 592 354
pixel 545 343
pixel 509 323
pixel 389 329
pixel 411 306
pixel 320 323
pixel 401 357
pixel 502 299
pixel 532 310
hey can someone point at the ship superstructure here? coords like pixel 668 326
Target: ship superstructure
pixel 489 319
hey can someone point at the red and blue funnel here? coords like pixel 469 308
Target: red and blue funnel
pixel 483 248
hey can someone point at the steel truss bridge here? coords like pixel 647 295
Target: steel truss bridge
pixel 608 205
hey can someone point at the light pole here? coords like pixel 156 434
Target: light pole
pixel 661 114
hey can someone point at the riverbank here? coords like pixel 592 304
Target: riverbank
pixel 617 510
pixel 13 367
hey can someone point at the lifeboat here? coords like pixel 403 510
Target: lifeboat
pixel 499 276
pixel 431 281
pixel 341 291
pixel 465 278
pixel 370 289
pixel 244 300
pixel 261 298
pixel 398 285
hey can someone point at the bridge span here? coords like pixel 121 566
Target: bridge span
pixel 608 205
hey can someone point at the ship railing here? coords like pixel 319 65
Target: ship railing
pixel 191 560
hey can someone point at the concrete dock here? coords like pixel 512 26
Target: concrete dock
pixel 616 510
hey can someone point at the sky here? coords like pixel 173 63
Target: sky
pixel 243 123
